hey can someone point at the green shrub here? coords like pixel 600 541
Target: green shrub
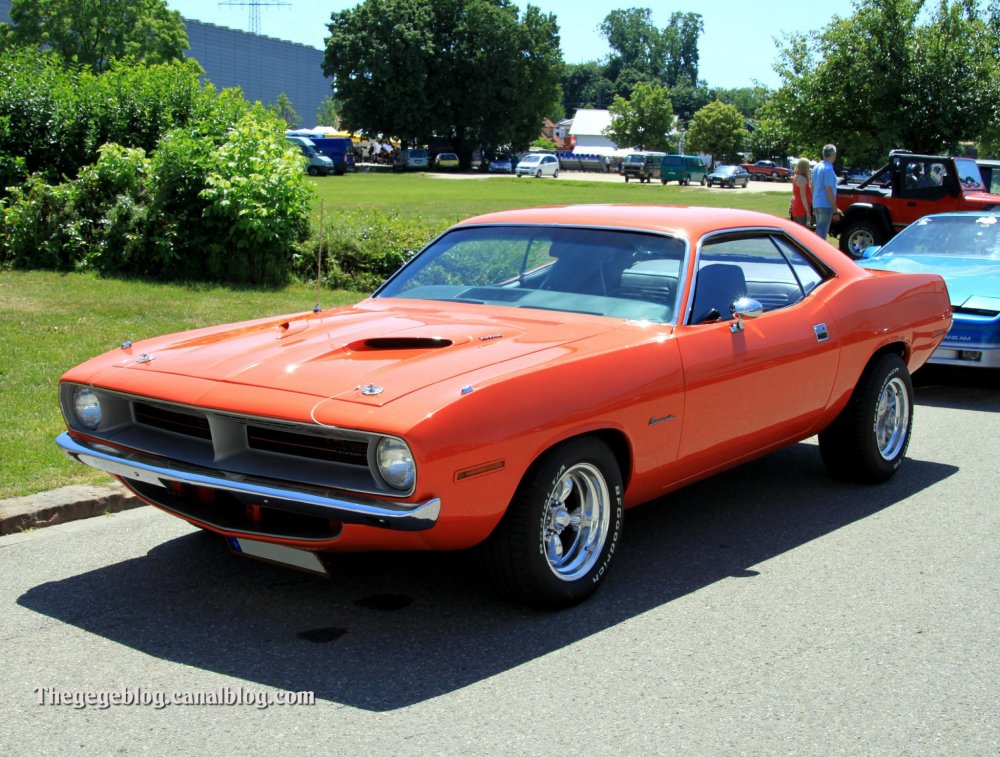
pixel 257 204
pixel 35 232
pixel 361 249
pixel 107 211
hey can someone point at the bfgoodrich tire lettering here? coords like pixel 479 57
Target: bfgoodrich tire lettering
pixel 868 440
pixel 556 542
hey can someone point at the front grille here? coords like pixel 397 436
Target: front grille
pixel 233 512
pixel 172 420
pixel 307 445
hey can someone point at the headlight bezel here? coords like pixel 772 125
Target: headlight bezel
pixel 389 452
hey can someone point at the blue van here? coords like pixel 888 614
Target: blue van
pixel 338 149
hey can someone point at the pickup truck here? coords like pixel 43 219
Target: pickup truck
pixel 765 170
pixel 907 188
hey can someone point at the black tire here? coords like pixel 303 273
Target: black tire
pixel 537 554
pixel 858 234
pixel 626 178
pixel 663 182
pixel 313 171
pixel 555 174
pixel 867 442
pixel 703 181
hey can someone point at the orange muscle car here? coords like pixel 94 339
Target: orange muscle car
pixel 516 386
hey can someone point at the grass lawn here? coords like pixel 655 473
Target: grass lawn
pixel 50 322
pixel 445 201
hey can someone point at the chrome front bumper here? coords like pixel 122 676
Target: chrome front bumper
pixel 306 500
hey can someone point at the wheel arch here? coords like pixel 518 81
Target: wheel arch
pixel 614 439
pixel 868 211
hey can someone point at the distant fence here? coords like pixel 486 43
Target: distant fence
pixel 572 161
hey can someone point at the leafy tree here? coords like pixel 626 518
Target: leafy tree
pixel 584 85
pixel 468 71
pixel 748 100
pixel 643 121
pixel 681 40
pixel 284 110
pixel 328 113
pixel 641 52
pixel 717 129
pixel 95 32
pixel 688 98
pixel 849 83
pixel 636 44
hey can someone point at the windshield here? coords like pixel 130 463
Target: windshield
pixel 531 159
pixel 967 236
pixel 611 273
pixel 726 169
pixel 969 176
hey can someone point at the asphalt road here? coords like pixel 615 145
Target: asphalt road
pixel 770 610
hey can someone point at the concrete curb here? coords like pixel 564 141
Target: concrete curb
pixel 63 505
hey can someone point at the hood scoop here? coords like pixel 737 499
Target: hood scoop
pixel 394 343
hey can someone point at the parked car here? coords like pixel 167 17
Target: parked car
pixel 990 171
pixel 683 169
pixel 538 165
pixel 411 159
pixel 909 187
pixel 643 166
pixel 766 170
pixel 728 176
pixel 447 161
pixel 317 164
pixel 855 175
pixel 501 164
pixel 514 387
pixel 964 248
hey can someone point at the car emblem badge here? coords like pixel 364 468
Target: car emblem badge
pixel 821 333
pixel 370 390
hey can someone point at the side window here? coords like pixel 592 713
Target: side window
pixel 924 179
pixel 762 266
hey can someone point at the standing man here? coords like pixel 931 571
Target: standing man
pixel 824 182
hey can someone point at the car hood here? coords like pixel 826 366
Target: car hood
pixel 967 278
pixel 392 346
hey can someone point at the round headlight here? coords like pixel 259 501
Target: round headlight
pixel 87 407
pixel 395 464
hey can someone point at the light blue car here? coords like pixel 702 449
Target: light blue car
pixel 964 248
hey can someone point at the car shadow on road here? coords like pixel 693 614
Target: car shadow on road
pixel 391 630
pixel 962 388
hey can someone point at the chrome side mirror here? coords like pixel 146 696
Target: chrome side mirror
pixel 744 307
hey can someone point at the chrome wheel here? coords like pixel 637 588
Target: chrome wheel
pixel 892 419
pixel 576 521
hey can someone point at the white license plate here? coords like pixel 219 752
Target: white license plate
pixel 279 554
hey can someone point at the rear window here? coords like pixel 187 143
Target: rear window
pixel 418 153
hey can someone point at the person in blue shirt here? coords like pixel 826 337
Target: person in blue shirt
pixel 824 184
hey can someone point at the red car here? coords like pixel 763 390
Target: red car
pixel 766 169
pixel 516 386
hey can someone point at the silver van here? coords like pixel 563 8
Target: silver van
pixel 319 164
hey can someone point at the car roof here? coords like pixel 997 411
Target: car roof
pixel 695 221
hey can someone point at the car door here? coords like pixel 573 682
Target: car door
pixel 748 388
pixel 924 186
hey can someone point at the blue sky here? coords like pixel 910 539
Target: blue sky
pixel 736 49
